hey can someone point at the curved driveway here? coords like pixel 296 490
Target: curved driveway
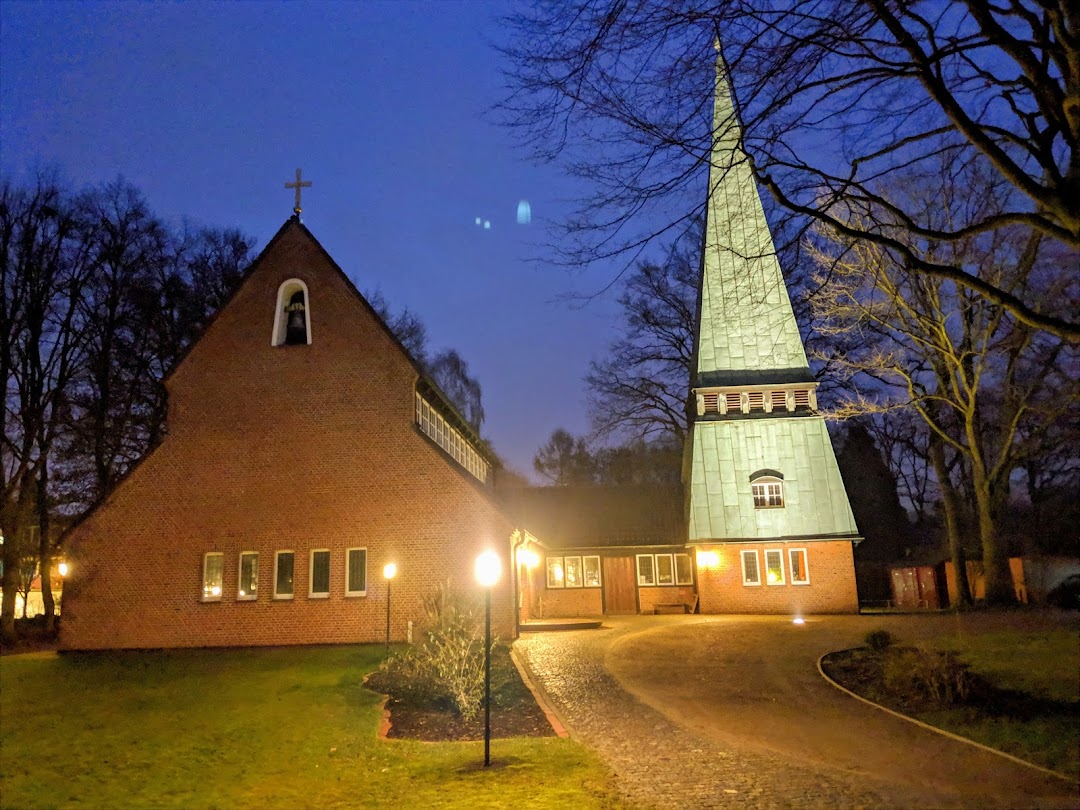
pixel 702 711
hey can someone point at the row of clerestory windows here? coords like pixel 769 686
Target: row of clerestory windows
pixel 450 439
pixel 247 574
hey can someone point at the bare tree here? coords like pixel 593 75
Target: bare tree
pixel 639 390
pixel 836 97
pixel 984 382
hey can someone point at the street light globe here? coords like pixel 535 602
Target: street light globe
pixel 389 570
pixel 62 569
pixel 488 568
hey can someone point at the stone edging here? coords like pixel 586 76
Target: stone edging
pixel 539 696
pixel 935 729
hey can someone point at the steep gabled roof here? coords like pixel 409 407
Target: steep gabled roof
pixel 427 385
pixel 592 516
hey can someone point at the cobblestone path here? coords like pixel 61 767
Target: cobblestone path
pixel 656 762
pixel 743 719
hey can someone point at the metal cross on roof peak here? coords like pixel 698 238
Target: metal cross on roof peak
pixel 299 184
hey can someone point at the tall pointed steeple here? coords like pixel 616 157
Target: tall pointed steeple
pixel 764 493
pixel 746 328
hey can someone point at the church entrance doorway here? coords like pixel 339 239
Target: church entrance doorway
pixel 620 592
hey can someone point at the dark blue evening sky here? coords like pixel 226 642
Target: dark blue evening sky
pixel 208 108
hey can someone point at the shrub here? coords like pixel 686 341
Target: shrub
pixel 447 667
pixel 925 677
pixel 878 640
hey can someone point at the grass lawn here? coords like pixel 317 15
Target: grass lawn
pixel 1042 664
pixel 262 728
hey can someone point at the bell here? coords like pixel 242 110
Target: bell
pixel 296 325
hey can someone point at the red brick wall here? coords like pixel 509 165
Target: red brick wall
pixel 831 569
pixel 269 448
pixel 650 597
pixel 561 603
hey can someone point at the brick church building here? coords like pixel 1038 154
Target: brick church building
pixel 306 449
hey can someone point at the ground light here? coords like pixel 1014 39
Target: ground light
pixel 488 569
pixel 389 570
pixel 798 620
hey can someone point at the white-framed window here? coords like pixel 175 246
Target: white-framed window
pixel 800 574
pixel 665 569
pixel 768 492
pixel 646 569
pixel 356 572
pixel 554 572
pixel 591 567
pixel 292 315
pixel 573 572
pixel 247 585
pixel 751 573
pixel 284 564
pixel 774 566
pixel 213 568
pixel 684 570
pixel 319 574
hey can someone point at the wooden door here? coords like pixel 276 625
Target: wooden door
pixel 620 590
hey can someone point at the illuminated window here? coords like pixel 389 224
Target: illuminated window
pixel 800 574
pixel 751 574
pixel 247 589
pixel 554 572
pixel 283 574
pixel 767 487
pixel 774 567
pixel 319 574
pixel 684 570
pixel 591 566
pixel 646 571
pixel 572 572
pixel 356 572
pixel 213 567
pixel 665 569
pixel 292 315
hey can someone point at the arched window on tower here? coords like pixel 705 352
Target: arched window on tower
pixel 767 487
pixel 292 316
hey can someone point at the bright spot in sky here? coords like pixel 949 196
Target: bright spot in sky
pixel 487 224
pixel 479 221
pixel 524 214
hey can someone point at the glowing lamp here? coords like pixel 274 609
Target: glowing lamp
pixel 708 559
pixel 488 569
pixel 529 557
pixel 389 570
pixel 216 590
pixel 62 569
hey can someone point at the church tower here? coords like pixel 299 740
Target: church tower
pixel 768 513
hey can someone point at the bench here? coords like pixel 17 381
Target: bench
pixel 677 607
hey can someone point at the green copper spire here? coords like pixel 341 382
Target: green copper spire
pixel 760 460
pixel 746 323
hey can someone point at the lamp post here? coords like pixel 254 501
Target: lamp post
pixel 488 568
pixel 389 570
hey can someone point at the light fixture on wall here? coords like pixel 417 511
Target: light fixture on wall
pixel 708 559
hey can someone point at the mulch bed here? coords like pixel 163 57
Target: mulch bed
pixel 514 712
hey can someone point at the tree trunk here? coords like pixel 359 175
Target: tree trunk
pixel 999 587
pixel 44 549
pixel 952 522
